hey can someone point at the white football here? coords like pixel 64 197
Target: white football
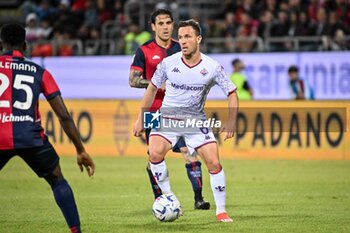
pixel 166 208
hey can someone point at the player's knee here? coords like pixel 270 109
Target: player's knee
pixel 156 154
pixel 214 166
pixel 54 177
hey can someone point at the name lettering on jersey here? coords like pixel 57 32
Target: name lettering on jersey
pixel 176 70
pixel 204 72
pixel 11 118
pixel 155 57
pixel 17 66
pixel 187 87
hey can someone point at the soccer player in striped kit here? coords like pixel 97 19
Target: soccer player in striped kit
pixel 21 133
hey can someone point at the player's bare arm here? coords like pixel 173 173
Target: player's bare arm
pixel 230 125
pixel 67 123
pixel 136 80
pixel 146 103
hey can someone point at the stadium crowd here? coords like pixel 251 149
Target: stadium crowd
pixel 59 20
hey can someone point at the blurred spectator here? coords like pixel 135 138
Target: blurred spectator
pixel 104 11
pixel 313 8
pixel 67 20
pixel 244 90
pixel 88 33
pixel 253 8
pixel 213 29
pixel 230 25
pixel 333 24
pixel 266 23
pixel 27 7
pixel 134 38
pixel 64 4
pixel 280 29
pixel 91 14
pixel 293 27
pixel 229 31
pixel 320 22
pixel 45 31
pixel 300 88
pixel 271 5
pixel 45 10
pixel 297 5
pixel 79 5
pixel 305 28
pixel 339 42
pixel 304 25
pixel 293 24
pixel 227 6
pixel 283 6
pixel 246 31
pixel 118 11
pixel 61 37
pixel 32 28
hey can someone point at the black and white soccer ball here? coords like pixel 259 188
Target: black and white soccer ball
pixel 166 208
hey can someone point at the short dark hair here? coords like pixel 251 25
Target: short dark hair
pixel 235 61
pixel 160 12
pixel 13 34
pixel 192 23
pixel 293 69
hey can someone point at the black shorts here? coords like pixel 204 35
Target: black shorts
pixel 180 143
pixel 42 160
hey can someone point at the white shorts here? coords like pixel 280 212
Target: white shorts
pixel 198 137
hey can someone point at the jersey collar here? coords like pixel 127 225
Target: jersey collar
pixel 169 46
pixel 191 66
pixel 14 53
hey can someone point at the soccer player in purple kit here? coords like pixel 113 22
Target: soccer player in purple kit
pixel 21 83
pixel 145 62
pixel 189 75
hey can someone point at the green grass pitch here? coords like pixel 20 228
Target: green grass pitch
pixel 262 196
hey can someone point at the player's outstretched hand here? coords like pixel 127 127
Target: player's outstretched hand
pixel 229 128
pixel 84 159
pixel 137 128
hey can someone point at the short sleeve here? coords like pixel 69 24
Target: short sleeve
pixel 49 86
pixel 159 76
pixel 223 81
pixel 138 60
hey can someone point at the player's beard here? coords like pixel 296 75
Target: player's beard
pixel 191 53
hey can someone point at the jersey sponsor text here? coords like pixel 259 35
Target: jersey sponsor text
pixel 187 87
pixel 12 118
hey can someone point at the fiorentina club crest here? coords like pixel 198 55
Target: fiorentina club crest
pixel 204 72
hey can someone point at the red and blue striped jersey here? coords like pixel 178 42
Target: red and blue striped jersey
pixel 146 59
pixel 21 82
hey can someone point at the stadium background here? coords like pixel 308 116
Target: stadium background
pixel 73 38
pixel 273 187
